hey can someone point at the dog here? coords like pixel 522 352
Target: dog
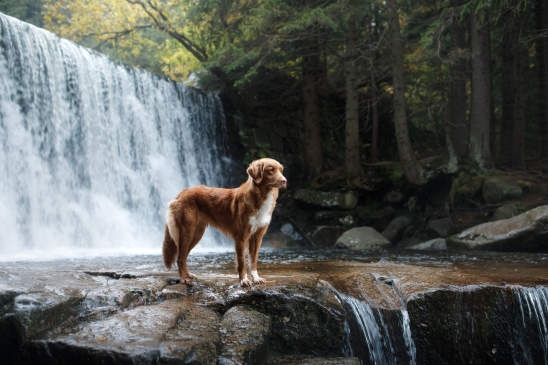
pixel 241 213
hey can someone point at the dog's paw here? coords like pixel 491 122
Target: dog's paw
pixel 258 280
pixel 245 282
pixel 188 280
pixel 192 276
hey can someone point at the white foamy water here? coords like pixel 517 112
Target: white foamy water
pixel 92 151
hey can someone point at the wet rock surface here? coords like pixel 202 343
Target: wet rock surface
pixel 244 336
pixel 130 310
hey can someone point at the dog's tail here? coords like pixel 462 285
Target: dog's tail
pixel 169 249
pixel 171 237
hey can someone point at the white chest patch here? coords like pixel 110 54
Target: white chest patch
pixel 263 215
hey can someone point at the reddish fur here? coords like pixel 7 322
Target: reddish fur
pixel 228 210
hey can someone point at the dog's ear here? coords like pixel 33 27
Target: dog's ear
pixel 255 170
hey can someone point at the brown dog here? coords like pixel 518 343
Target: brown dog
pixel 242 213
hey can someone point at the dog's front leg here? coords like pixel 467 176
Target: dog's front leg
pixel 240 258
pixel 254 246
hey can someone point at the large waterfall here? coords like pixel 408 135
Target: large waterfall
pixel 92 151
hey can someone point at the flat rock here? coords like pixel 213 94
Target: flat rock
pixel 525 232
pixel 435 244
pixel 151 318
pixel 394 197
pixel 327 199
pixel 362 238
pixel 506 211
pixel 498 189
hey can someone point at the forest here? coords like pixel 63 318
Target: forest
pixel 366 96
pixel 388 80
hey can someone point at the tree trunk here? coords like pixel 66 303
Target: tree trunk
pixel 520 68
pixel 313 157
pixel 411 167
pixel 352 127
pixel 509 42
pixel 480 119
pixel 374 117
pixel 458 127
pixel 541 13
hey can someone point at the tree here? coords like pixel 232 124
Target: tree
pixel 480 119
pixel 180 35
pixel 541 22
pixel 457 127
pixel 312 142
pixel 411 166
pixel 352 125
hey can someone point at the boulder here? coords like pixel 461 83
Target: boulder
pixel 333 216
pixel 327 199
pixel 244 335
pixel 278 240
pixel 375 216
pixel 290 231
pixel 498 189
pixel 525 232
pixel 465 187
pixel 435 244
pixel 306 319
pixel 395 228
pixel 506 211
pixel 442 227
pixel 326 236
pixel 412 204
pixel 362 238
pixel 394 197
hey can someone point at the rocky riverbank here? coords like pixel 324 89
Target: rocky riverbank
pixel 322 307
pixel 383 212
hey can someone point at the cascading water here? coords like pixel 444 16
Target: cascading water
pixel 92 151
pixel 533 304
pixel 378 336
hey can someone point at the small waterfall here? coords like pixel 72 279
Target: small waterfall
pixel 408 339
pixel 92 151
pixel 384 341
pixel 533 304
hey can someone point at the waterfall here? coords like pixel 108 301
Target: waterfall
pixel 533 304
pixel 384 342
pixel 92 151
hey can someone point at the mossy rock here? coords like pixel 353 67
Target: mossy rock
pixel 465 187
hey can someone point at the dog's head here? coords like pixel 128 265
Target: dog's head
pixel 267 172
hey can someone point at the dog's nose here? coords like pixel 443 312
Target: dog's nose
pixel 284 181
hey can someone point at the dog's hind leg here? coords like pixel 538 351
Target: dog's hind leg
pixel 186 234
pixel 198 234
